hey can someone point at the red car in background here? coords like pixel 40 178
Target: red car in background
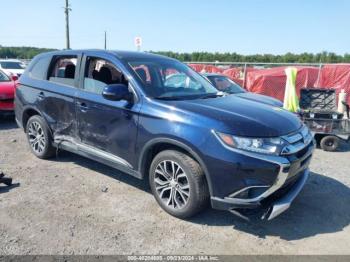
pixel 7 92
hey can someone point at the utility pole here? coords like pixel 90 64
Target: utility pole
pixel 66 11
pixel 105 40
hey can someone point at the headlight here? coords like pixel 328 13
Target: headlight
pixel 272 146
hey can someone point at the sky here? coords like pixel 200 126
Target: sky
pixel 241 26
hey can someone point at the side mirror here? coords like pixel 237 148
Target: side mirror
pixel 117 92
pixel 14 77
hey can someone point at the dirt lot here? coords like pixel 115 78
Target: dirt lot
pixel 59 207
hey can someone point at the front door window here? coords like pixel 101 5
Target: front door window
pixel 99 73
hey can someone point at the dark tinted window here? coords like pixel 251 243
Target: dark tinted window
pixel 11 65
pixel 62 70
pixel 39 69
pixel 225 84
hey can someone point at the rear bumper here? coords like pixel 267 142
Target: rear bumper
pixel 7 105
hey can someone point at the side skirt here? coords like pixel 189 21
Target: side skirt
pixel 98 155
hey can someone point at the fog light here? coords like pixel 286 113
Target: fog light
pixel 256 191
pixel 242 195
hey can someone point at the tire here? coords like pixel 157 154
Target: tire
pixel 39 137
pixel 190 189
pixel 329 143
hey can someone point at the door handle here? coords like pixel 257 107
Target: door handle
pixel 82 106
pixel 41 96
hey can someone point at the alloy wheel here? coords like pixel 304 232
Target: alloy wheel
pixel 36 137
pixel 171 184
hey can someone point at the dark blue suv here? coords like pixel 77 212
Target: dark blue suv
pixel 195 145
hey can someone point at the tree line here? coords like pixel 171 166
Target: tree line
pixel 21 52
pixel 324 57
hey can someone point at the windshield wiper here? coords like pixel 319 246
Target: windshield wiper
pixel 205 96
pixel 169 97
pixel 212 95
pixel 235 92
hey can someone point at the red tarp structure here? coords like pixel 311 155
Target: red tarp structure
pixel 202 68
pixel 235 73
pixel 336 77
pixel 272 81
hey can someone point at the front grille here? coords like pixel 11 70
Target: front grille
pixel 293 138
pixel 297 142
pixel 307 159
pixel 299 161
pixel 302 152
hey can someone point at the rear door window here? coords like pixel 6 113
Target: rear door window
pixel 63 70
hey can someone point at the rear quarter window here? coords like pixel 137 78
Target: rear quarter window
pixel 39 69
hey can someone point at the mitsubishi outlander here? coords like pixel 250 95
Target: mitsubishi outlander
pixel 195 145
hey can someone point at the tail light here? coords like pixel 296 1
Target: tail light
pixel 14 77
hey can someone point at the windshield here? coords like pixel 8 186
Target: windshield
pixel 11 65
pixel 225 84
pixel 170 79
pixel 3 77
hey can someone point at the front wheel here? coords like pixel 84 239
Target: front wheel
pixel 178 184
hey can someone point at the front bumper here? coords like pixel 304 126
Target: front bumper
pixel 282 204
pixel 277 197
pixel 272 206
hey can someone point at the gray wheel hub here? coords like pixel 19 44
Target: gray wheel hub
pixel 36 137
pixel 172 185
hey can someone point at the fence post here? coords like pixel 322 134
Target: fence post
pixel 318 75
pixel 244 74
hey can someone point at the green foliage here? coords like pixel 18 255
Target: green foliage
pixel 21 52
pixel 324 57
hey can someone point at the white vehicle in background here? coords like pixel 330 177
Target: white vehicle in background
pixel 12 67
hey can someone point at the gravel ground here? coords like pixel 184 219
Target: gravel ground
pixel 71 205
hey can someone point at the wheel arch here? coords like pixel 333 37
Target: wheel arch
pixel 28 112
pixel 153 147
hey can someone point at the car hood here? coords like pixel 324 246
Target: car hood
pixel 261 98
pixel 7 90
pixel 242 117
